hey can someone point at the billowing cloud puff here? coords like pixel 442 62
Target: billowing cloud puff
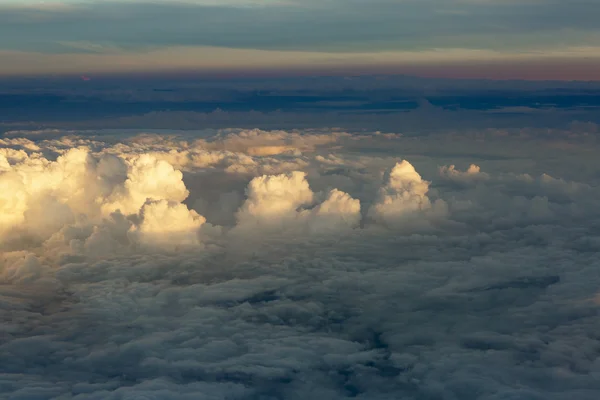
pixel 339 212
pixel 273 200
pixel 472 174
pixel 45 197
pixel 279 202
pixel 35 181
pixel 147 179
pixel 169 224
pixel 404 197
pixel 13 200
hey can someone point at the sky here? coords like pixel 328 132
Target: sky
pixel 448 38
pixel 290 200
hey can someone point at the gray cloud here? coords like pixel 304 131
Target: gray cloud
pixel 351 26
pixel 495 299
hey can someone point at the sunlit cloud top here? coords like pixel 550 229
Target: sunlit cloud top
pixel 329 30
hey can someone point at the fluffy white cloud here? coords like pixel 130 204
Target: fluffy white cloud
pixel 403 198
pixel 168 223
pixel 277 203
pixel 273 199
pixel 42 198
pixel 34 182
pixel 147 179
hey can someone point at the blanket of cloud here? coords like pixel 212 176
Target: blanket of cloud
pixel 250 264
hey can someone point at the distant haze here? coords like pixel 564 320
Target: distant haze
pixel 531 39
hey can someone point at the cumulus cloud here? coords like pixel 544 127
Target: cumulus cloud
pixel 275 198
pixel 473 174
pixel 404 197
pixel 36 180
pixel 44 197
pixel 279 202
pixel 325 279
pixel 148 178
pixel 165 222
pixel 338 212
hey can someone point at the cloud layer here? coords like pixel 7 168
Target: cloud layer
pixel 287 265
pixel 358 25
pixel 134 36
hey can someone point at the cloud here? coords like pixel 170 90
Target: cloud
pixel 325 26
pixel 404 197
pixel 257 142
pixel 294 35
pixel 275 198
pixel 338 212
pixel 80 196
pixel 44 197
pixel 473 174
pixel 166 222
pixel 280 203
pixel 20 267
pixel 34 180
pixel 357 275
pixel 148 178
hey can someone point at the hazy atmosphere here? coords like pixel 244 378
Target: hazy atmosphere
pixel 273 200
pixel 559 39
